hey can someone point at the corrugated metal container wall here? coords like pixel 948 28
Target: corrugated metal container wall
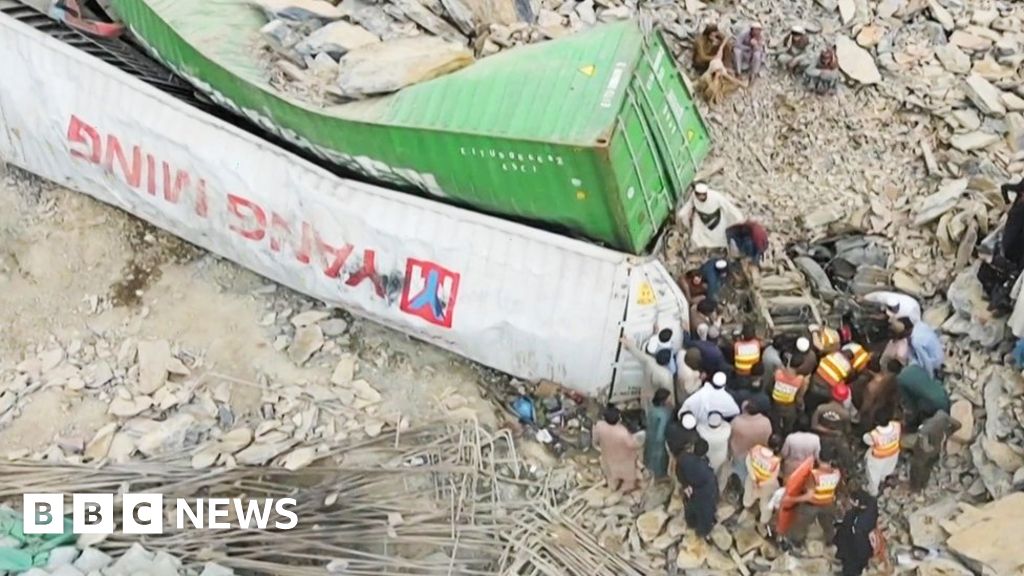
pixel 522 300
pixel 529 133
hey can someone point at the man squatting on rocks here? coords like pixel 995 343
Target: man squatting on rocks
pixel 761 409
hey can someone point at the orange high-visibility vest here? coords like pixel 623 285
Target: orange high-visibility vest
pixel 787 386
pixel 861 357
pixel 834 369
pixel 765 464
pixel 825 340
pixel 746 354
pixel 885 440
pixel 825 484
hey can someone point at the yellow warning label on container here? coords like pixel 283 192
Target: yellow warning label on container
pixel 689 135
pixel 645 296
pixel 589 70
pixel 581 195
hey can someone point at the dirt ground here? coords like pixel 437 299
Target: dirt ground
pixel 73 270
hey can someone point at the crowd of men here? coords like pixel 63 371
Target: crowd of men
pixel 738 409
pixel 728 63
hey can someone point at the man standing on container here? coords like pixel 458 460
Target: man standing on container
pixel 707 214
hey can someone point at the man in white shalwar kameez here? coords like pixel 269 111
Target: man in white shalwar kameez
pixel 711 397
pixel 707 213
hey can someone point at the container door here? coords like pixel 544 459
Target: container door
pixel 655 302
pixel 675 126
pixel 649 199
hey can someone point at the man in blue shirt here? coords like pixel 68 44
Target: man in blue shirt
pixel 926 349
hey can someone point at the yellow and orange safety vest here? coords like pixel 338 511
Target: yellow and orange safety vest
pixel 746 354
pixel 765 464
pixel 825 340
pixel 825 484
pixel 885 440
pixel 861 356
pixel 787 386
pixel 834 369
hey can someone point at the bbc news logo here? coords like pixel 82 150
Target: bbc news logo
pixel 145 514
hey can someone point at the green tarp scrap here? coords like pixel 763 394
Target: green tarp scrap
pixel 32 549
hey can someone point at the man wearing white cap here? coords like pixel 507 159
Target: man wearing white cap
pixel 707 213
pixel 656 370
pixel 796 58
pixel 716 432
pixel 749 52
pixel 897 305
pixel 712 397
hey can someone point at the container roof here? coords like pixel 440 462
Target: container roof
pixel 565 91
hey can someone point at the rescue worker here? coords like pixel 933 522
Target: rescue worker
pixel 712 397
pixel 762 480
pixel 658 417
pixel 832 419
pixel 619 451
pixel 860 356
pixel 751 428
pixel 657 374
pixel 833 370
pixel 825 340
pixel 716 432
pixel 707 214
pixel 818 502
pixel 787 399
pixel 883 453
pixel 746 351
pixel 700 490
pixel 931 437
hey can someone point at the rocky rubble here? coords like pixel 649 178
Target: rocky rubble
pixel 70 561
pixel 163 402
pixel 324 52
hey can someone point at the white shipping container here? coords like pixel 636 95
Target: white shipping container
pixel 521 300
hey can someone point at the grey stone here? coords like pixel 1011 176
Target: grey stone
pixel 856 62
pixel 429 21
pixel 61 556
pixel 976 140
pixel 335 39
pixel 925 524
pixel 334 327
pixel 135 561
pixel 308 340
pixel 92 559
pixel 988 539
pixel 299 10
pixel 66 570
pixel 953 59
pixel 937 204
pixel 395 64
pixel 214 569
pixel 984 95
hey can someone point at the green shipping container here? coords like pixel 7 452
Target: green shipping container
pixel 593 135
